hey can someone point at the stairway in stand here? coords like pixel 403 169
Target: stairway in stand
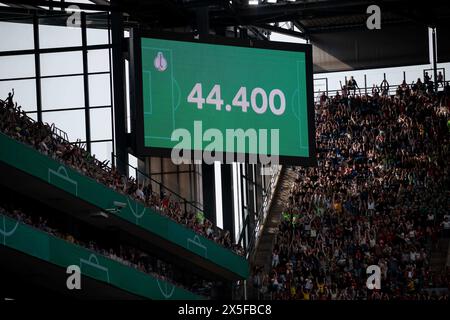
pixel 263 253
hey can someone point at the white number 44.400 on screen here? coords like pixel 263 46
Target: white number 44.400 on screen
pixel 276 100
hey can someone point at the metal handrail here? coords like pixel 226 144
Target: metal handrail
pixel 392 89
pixel 186 204
pixel 365 90
pixel 161 186
pixel 62 135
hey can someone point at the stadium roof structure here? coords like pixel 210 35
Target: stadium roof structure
pixel 309 16
pixel 402 40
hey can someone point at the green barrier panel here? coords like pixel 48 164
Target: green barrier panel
pixel 44 246
pixel 29 160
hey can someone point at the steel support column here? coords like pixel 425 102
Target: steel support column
pixel 118 68
pixel 434 59
pixel 37 67
pixel 87 116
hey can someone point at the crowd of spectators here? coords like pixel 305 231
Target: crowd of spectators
pixel 15 123
pixel 379 195
pixel 126 255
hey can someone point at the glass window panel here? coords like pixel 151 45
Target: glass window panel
pixel 132 161
pixel 168 165
pixel 17 66
pixel 185 188
pixel 218 191
pixel 102 150
pixel 24 92
pixel 61 63
pixel 97 36
pixel 98 60
pixel 16 35
pixel 32 115
pixel 155 167
pixel 65 92
pixel 170 178
pixel 236 199
pixel 184 167
pixel 72 122
pixel 99 90
pixel 244 188
pixel 59 36
pixel 101 124
pixel 127 95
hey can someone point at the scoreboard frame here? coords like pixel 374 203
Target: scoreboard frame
pixel 136 90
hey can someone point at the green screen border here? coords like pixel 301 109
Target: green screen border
pixel 136 94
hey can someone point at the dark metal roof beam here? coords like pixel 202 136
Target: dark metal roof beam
pixel 291 33
pixel 300 26
pixel 19 6
pixel 101 2
pixel 291 11
pixel 257 33
pixel 63 5
pixel 289 8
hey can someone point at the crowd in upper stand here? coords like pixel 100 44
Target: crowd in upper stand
pixel 15 123
pixel 378 196
pixel 351 87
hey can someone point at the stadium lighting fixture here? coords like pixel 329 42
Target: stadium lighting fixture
pixel 275 1
pixel 99 214
pixel 118 206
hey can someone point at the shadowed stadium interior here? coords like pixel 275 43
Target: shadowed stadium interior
pixel 98 97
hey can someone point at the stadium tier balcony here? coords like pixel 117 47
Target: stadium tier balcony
pixel 53 182
pixel 102 276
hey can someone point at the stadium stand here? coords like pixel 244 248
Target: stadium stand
pixel 98 242
pixel 16 124
pixel 379 195
pixel 131 250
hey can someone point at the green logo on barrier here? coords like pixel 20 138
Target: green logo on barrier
pixel 196 246
pixel 60 178
pixel 166 292
pixel 92 267
pixel 9 233
pixel 135 210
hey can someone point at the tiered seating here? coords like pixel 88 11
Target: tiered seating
pixel 379 195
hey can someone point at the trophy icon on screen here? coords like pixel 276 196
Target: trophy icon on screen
pixel 160 62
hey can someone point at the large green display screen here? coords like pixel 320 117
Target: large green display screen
pixel 211 89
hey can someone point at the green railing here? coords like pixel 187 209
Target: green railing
pixel 49 248
pixel 29 160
